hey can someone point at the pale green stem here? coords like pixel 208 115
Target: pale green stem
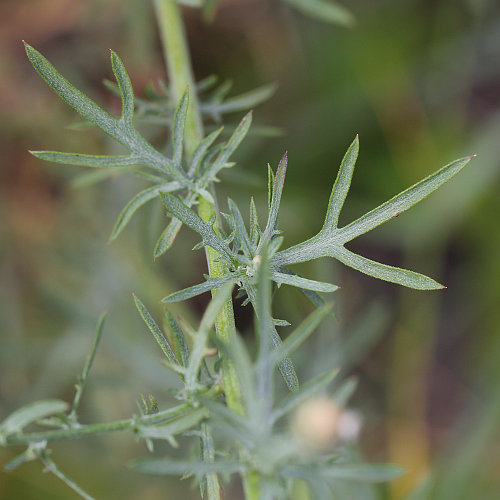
pixel 181 75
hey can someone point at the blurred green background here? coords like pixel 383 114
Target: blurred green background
pixel 419 80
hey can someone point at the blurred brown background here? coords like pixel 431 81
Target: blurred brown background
pixel 419 80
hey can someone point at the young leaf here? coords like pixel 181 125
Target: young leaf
pixel 137 202
pixel 403 201
pixel 240 228
pixel 201 150
pixel 254 223
pixel 193 291
pixel 30 413
pixel 178 128
pixel 155 330
pixel 178 340
pixel 192 220
pixel 277 190
pixel 304 283
pixel 80 102
pixel 83 160
pixel 341 187
pixel 126 90
pixel 230 147
pixel 384 272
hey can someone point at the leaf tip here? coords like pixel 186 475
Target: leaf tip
pixel 471 157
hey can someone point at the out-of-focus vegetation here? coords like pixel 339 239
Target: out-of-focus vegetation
pixel 418 80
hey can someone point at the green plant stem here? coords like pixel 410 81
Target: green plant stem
pixel 180 71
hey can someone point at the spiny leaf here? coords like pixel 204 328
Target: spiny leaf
pixel 304 283
pixel 137 202
pixel 30 413
pixel 76 99
pixel 126 90
pixel 178 128
pixel 341 187
pixel 193 291
pixel 403 201
pixel 301 333
pixel 324 10
pixel 384 272
pixel 155 330
pixel 84 160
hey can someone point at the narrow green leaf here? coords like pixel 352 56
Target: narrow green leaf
pixel 369 473
pixel 384 272
pixel 167 238
pixel 341 187
pixel 301 333
pixel 201 150
pixel 168 467
pixel 178 127
pixel 285 365
pixel 178 339
pixel 342 394
pixel 277 190
pixel 88 365
pixel 304 283
pixel 309 389
pixel 155 330
pixel 186 422
pixel 324 10
pixel 241 102
pixel 26 456
pixel 179 210
pixel 83 160
pixel 254 223
pixel 230 147
pixel 126 90
pixel 30 413
pixel 137 202
pixel 193 291
pixel 76 99
pixel 403 201
pixel 241 230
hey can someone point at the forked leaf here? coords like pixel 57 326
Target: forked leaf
pixel 193 291
pixel 83 160
pixel 76 99
pixel 30 413
pixel 178 128
pixel 126 90
pixel 155 330
pixel 304 283
pixel 301 333
pixel 403 201
pixel 137 202
pixel 341 187
pixel 384 272
pixel 311 388
pixel 324 10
